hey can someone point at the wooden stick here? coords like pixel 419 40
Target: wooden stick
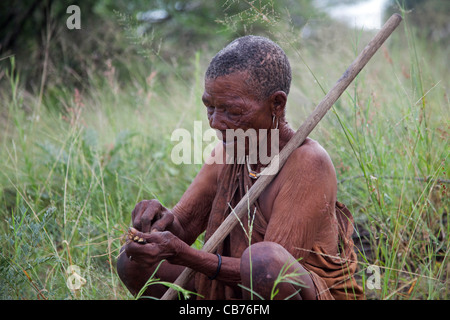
pixel 296 141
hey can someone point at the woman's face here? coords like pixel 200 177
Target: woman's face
pixel 231 104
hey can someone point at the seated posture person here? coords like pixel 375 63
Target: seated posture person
pixel 297 223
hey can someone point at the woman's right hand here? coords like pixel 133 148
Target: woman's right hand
pixel 150 215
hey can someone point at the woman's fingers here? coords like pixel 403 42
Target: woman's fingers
pixel 163 222
pixel 144 214
pixel 143 237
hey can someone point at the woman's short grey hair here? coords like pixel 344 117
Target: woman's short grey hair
pixel 264 61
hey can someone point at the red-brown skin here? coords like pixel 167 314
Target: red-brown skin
pixel 298 205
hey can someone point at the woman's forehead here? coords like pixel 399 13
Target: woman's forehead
pixel 231 86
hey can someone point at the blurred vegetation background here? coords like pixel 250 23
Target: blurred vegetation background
pixel 86 118
pixel 124 31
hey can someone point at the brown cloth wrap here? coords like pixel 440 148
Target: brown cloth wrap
pixel 332 276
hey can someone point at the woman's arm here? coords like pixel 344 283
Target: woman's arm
pixel 165 245
pixel 303 210
pixel 189 217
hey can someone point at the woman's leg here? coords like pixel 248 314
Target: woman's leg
pixel 261 265
pixel 134 276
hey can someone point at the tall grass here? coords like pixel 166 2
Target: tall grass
pixel 391 158
pixel 72 172
pixel 70 180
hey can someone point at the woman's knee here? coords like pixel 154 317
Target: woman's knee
pixel 261 256
pixel 135 275
pixel 261 265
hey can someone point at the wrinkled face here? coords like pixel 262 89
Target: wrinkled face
pixel 231 105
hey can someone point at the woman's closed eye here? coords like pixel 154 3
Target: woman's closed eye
pixel 234 111
pixel 230 110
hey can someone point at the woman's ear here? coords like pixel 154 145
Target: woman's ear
pixel 278 103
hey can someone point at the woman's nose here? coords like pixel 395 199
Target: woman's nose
pixel 217 121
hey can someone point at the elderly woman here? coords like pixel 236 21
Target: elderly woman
pixel 298 227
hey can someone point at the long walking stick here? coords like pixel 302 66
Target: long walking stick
pixel 296 141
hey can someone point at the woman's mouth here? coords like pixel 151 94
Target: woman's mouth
pixel 221 134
